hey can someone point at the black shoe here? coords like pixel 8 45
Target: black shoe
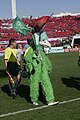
pixel 13 95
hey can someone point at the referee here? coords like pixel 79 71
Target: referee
pixel 13 66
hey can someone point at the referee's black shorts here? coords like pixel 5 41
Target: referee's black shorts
pixel 13 68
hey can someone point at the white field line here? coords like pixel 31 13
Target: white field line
pixel 38 108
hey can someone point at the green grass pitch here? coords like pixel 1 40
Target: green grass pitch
pixel 65 79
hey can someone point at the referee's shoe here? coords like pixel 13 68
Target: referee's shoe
pixel 13 94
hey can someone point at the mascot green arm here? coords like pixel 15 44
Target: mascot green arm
pixel 47 62
pixel 31 59
pixel 49 65
pixel 28 58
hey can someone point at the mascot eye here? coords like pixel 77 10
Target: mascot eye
pixel 44 40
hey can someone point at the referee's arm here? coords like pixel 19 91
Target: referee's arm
pixel 5 62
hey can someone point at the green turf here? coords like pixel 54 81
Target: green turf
pixel 65 78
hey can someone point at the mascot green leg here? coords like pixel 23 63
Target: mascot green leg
pixel 47 87
pixel 34 84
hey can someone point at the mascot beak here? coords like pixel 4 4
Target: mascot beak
pixel 45 43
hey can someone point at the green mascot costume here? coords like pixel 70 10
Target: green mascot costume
pixel 39 67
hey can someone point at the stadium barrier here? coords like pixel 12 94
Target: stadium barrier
pixel 56 50
pixel 71 50
pixel 52 50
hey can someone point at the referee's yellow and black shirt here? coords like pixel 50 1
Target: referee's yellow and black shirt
pixel 10 55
